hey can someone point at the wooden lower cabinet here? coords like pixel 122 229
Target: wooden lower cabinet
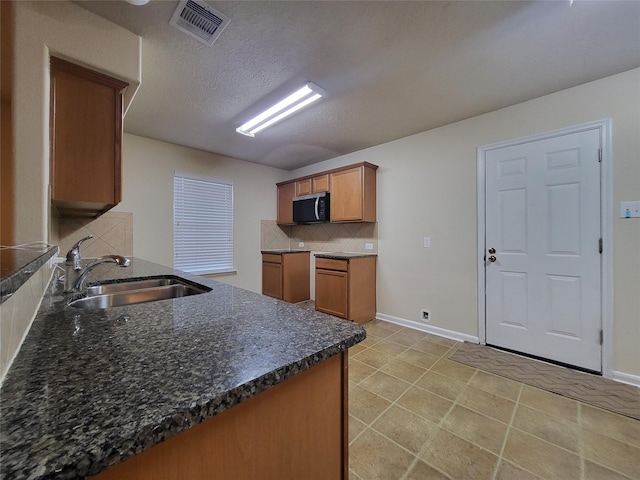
pixel 286 276
pixel 331 292
pixel 347 288
pixel 272 279
pixel 256 440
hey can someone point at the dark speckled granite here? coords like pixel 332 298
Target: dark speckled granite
pixel 280 252
pixel 18 264
pixel 344 255
pixel 90 388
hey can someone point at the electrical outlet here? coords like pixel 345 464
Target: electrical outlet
pixel 427 242
pixel 629 209
pixel 368 246
pixel 300 244
pixel 425 316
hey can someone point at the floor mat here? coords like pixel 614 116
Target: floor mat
pixel 591 389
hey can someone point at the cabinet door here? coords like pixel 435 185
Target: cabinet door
pixel 272 279
pixel 346 195
pixel 295 277
pixel 303 187
pixel 86 133
pixel 320 184
pixel 286 193
pixel 331 292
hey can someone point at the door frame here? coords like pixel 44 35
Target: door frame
pixel 606 217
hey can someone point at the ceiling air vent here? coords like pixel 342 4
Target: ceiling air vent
pixel 199 20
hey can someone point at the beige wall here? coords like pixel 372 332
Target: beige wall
pixel 66 30
pixel 426 182
pixel 149 166
pixel 427 186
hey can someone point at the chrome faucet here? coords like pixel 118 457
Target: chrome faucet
pixel 117 259
pixel 73 265
pixel 74 276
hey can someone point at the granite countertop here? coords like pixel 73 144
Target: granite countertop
pixel 281 252
pixel 90 388
pixel 19 263
pixel 344 255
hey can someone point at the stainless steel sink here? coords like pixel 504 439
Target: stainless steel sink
pixel 137 291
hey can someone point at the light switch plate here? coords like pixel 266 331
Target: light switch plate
pixel 630 209
pixel 368 246
pixel 427 242
pixel 300 244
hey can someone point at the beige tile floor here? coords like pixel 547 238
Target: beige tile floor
pixel 414 415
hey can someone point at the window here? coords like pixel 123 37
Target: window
pixel 202 224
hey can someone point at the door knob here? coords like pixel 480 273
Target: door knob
pixel 492 258
pixel 492 250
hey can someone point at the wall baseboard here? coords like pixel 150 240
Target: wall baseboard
pixel 441 332
pixel 626 378
pixel 621 377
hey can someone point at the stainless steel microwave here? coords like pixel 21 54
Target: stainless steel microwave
pixel 312 208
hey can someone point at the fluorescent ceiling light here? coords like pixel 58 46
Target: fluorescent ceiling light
pixel 294 102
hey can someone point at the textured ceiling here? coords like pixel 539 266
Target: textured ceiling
pixel 390 69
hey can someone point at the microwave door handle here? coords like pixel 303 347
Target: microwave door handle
pixel 317 215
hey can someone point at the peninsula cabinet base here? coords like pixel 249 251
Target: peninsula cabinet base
pixel 295 430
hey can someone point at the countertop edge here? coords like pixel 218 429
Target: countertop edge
pixel 344 256
pixel 80 463
pixel 10 284
pixel 283 252
pixel 183 420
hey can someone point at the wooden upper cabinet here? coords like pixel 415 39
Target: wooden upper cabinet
pixel 286 192
pixel 86 139
pixel 316 184
pixel 320 183
pixel 352 189
pixel 303 187
pixel 353 194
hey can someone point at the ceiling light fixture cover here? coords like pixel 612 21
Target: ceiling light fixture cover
pixel 294 102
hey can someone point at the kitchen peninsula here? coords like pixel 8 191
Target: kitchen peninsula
pixel 224 384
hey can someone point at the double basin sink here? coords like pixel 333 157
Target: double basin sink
pixel 134 291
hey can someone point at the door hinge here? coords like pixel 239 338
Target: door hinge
pixel 600 155
pixel 601 337
pixel 600 245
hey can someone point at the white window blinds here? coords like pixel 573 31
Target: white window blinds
pixel 203 224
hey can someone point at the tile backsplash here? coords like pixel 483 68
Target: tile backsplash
pixel 112 234
pixel 322 237
pixel 17 312
pixel 273 237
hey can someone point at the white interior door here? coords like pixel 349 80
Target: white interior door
pixel 543 266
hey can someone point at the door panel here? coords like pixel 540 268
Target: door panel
pixel 543 291
pixel 513 212
pixel 514 292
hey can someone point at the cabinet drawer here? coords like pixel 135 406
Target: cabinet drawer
pixel 271 258
pixel 332 264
